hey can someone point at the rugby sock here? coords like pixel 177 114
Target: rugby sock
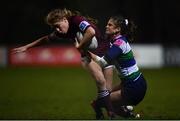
pixel 103 93
pixel 104 100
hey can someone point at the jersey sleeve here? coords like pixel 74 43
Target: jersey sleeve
pixel 82 23
pixel 115 50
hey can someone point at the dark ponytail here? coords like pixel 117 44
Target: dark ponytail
pixel 128 28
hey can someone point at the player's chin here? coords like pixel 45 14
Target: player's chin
pixel 107 32
pixel 62 32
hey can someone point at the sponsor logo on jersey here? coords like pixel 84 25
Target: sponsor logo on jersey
pixel 83 25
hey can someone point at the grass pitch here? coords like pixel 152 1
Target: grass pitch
pixel 66 93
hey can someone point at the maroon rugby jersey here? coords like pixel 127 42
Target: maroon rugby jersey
pixel 80 24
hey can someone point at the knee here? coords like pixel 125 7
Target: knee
pixel 100 82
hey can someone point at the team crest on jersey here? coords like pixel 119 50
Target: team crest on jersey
pixel 83 25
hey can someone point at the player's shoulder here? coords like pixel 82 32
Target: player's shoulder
pixel 78 18
pixel 119 42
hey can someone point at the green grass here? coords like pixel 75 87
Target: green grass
pixel 163 95
pixel 66 93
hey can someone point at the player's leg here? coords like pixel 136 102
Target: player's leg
pixel 130 93
pixel 108 74
pixel 120 105
pixel 103 97
pixel 96 72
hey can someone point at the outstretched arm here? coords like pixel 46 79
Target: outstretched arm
pixel 34 43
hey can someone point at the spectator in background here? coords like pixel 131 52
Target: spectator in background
pixel 71 25
pixel 132 88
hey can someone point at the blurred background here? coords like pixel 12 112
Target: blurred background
pixel 45 81
pixel 158 21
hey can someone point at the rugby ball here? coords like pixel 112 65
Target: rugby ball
pixel 93 44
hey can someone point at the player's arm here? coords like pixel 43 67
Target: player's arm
pixel 88 35
pixel 32 44
pixel 99 60
pixel 108 58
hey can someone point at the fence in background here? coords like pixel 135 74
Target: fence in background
pixel 147 56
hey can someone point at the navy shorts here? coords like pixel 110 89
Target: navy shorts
pixel 133 92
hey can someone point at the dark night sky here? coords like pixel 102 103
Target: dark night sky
pixel 157 21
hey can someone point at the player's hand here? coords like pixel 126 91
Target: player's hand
pixel 91 55
pixel 76 44
pixel 19 49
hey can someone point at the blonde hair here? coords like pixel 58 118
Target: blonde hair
pixel 57 14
